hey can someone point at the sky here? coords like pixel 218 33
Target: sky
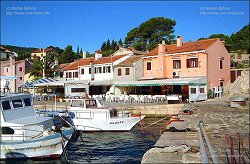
pixel 88 24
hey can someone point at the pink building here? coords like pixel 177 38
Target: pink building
pixel 204 60
pixel 15 68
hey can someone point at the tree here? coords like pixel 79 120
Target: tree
pixel 56 49
pixel 108 46
pixel 227 39
pixel 77 51
pixel 67 55
pixel 150 33
pixel 36 68
pixel 120 42
pixel 48 62
pixel 104 46
pixel 241 39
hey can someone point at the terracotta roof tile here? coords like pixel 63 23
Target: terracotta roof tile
pixel 41 50
pixel 186 47
pixel 7 63
pixel 82 62
pixel 4 49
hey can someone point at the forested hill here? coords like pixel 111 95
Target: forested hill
pixel 23 52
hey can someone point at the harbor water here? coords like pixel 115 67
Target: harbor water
pixel 110 147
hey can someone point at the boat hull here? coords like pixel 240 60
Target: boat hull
pixel 48 146
pixel 113 124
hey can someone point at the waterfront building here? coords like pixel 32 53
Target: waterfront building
pixel 40 53
pixel 4 53
pixel 186 68
pixel 96 74
pixel 13 68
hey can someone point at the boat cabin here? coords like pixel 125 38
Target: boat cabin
pixel 90 108
pixel 18 118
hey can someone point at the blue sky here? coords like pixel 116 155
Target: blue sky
pixel 89 24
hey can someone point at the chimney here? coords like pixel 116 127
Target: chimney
pixel 92 70
pixel 98 54
pixel 162 48
pixel 84 54
pixel 179 41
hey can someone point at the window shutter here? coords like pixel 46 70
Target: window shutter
pixel 188 63
pixel 196 62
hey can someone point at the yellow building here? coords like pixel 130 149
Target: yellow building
pixel 39 53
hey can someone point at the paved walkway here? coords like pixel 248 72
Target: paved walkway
pixel 219 119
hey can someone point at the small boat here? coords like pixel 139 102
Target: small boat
pixel 177 124
pixel 92 115
pixel 24 134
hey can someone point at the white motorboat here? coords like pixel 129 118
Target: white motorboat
pixel 27 135
pixel 92 115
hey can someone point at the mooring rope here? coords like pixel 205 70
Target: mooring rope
pixel 155 122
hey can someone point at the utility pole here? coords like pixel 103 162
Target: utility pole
pixel 43 60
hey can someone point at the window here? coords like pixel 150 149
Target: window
pixel 7 130
pixel 7 69
pixel 20 78
pixel 75 74
pixel 221 83
pixel 89 70
pixel 193 90
pixel 99 69
pixel 119 71
pixel 82 71
pixel 148 65
pixel 108 69
pixel 27 101
pixel 221 63
pixel 127 71
pixel 6 105
pixel 17 103
pixel 21 69
pixel 103 70
pixel 78 90
pixel 70 74
pixel 67 75
pixel 176 64
pixel 192 63
pixel 202 90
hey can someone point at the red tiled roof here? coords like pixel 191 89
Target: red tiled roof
pixel 7 63
pixel 81 62
pixel 41 50
pixel 186 47
pixel 129 62
pixel 4 49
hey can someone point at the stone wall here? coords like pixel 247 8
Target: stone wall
pixel 155 109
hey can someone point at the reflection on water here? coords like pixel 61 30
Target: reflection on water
pixel 110 147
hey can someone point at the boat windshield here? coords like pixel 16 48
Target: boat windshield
pixel 101 102
pixel 80 103
pixel 90 103
pixel 77 103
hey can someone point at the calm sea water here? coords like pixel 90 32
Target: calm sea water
pixel 110 147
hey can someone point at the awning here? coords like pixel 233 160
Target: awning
pixel 175 81
pixel 101 83
pixel 8 77
pixel 38 82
